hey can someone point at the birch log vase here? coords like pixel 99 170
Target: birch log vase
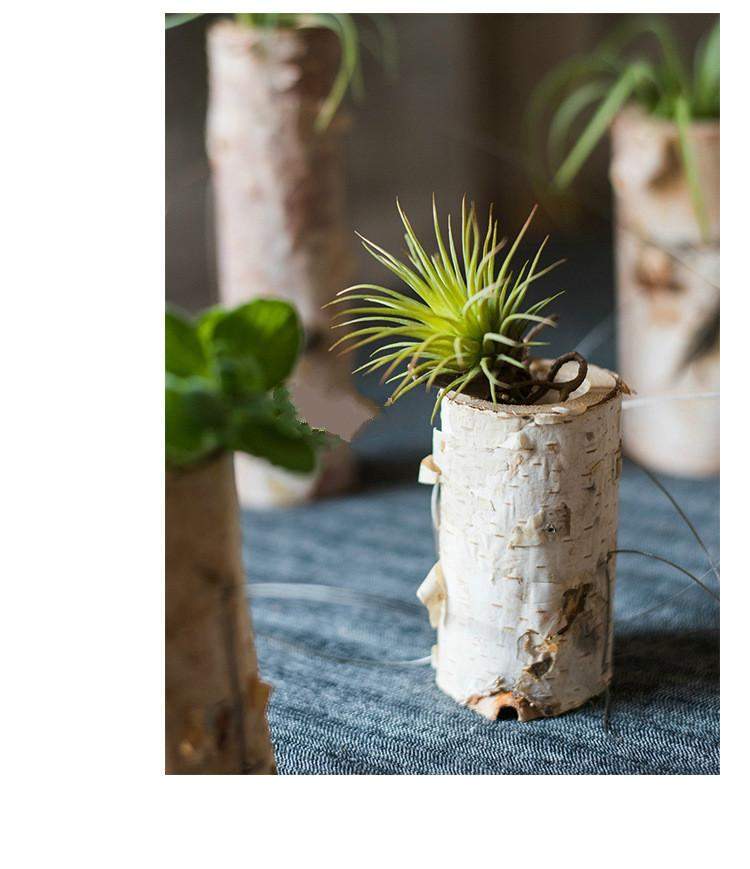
pixel 215 701
pixel 279 205
pixel 668 291
pixel 521 595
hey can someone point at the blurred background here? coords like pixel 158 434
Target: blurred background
pixel 449 121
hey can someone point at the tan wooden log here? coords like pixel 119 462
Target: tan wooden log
pixel 215 700
pixel 522 593
pixel 667 291
pixel 279 190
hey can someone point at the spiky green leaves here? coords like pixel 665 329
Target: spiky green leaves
pixel 224 386
pixel 467 322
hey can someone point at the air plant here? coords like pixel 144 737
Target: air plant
pixel 612 76
pixel 343 26
pixel 468 327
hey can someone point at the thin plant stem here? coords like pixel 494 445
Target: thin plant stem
pixel 671 564
pixel 663 489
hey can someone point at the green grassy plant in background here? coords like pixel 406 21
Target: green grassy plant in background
pixel 598 85
pixel 379 40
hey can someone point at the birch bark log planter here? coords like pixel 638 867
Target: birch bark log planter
pixel 668 290
pixel 215 700
pixel 279 203
pixel 527 463
pixel 522 593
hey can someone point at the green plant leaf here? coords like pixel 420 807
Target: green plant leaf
pixel 223 387
pixel 269 439
pixel 598 125
pixel 175 19
pixel 206 323
pixel 241 377
pixel 615 73
pixel 266 330
pixel 195 417
pixel 706 75
pixel 183 351
pixel 569 109
pixel 343 26
pixel 682 119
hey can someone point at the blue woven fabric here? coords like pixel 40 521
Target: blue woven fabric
pixel 339 718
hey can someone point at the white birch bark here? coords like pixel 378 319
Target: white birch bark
pixel 522 593
pixel 668 291
pixel 279 207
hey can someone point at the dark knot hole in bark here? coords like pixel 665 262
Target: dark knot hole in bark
pixel 507 713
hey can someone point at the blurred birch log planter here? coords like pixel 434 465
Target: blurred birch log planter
pixel 521 595
pixel 215 700
pixel 279 202
pixel 662 110
pixel 668 290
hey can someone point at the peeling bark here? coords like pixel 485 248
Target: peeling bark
pixel 215 700
pixel 279 203
pixel 521 594
pixel 668 291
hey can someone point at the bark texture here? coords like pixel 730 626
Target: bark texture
pixel 522 593
pixel 668 291
pixel 215 701
pixel 279 203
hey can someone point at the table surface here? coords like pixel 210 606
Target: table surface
pixel 330 715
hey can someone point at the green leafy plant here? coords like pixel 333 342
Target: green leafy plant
pixel 603 82
pixel 466 327
pixel 343 26
pixel 225 376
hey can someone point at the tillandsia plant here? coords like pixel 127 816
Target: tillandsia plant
pixel 343 26
pixel 469 327
pixel 614 74
pixel 225 391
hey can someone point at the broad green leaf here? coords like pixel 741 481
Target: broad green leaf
pixel 183 351
pixel 206 323
pixel 194 416
pixel 268 330
pixel 241 377
pixel 270 440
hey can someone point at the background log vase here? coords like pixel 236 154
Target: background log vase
pixel 667 291
pixel 279 204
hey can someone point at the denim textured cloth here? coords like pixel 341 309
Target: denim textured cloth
pixel 341 718
pixel 329 716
